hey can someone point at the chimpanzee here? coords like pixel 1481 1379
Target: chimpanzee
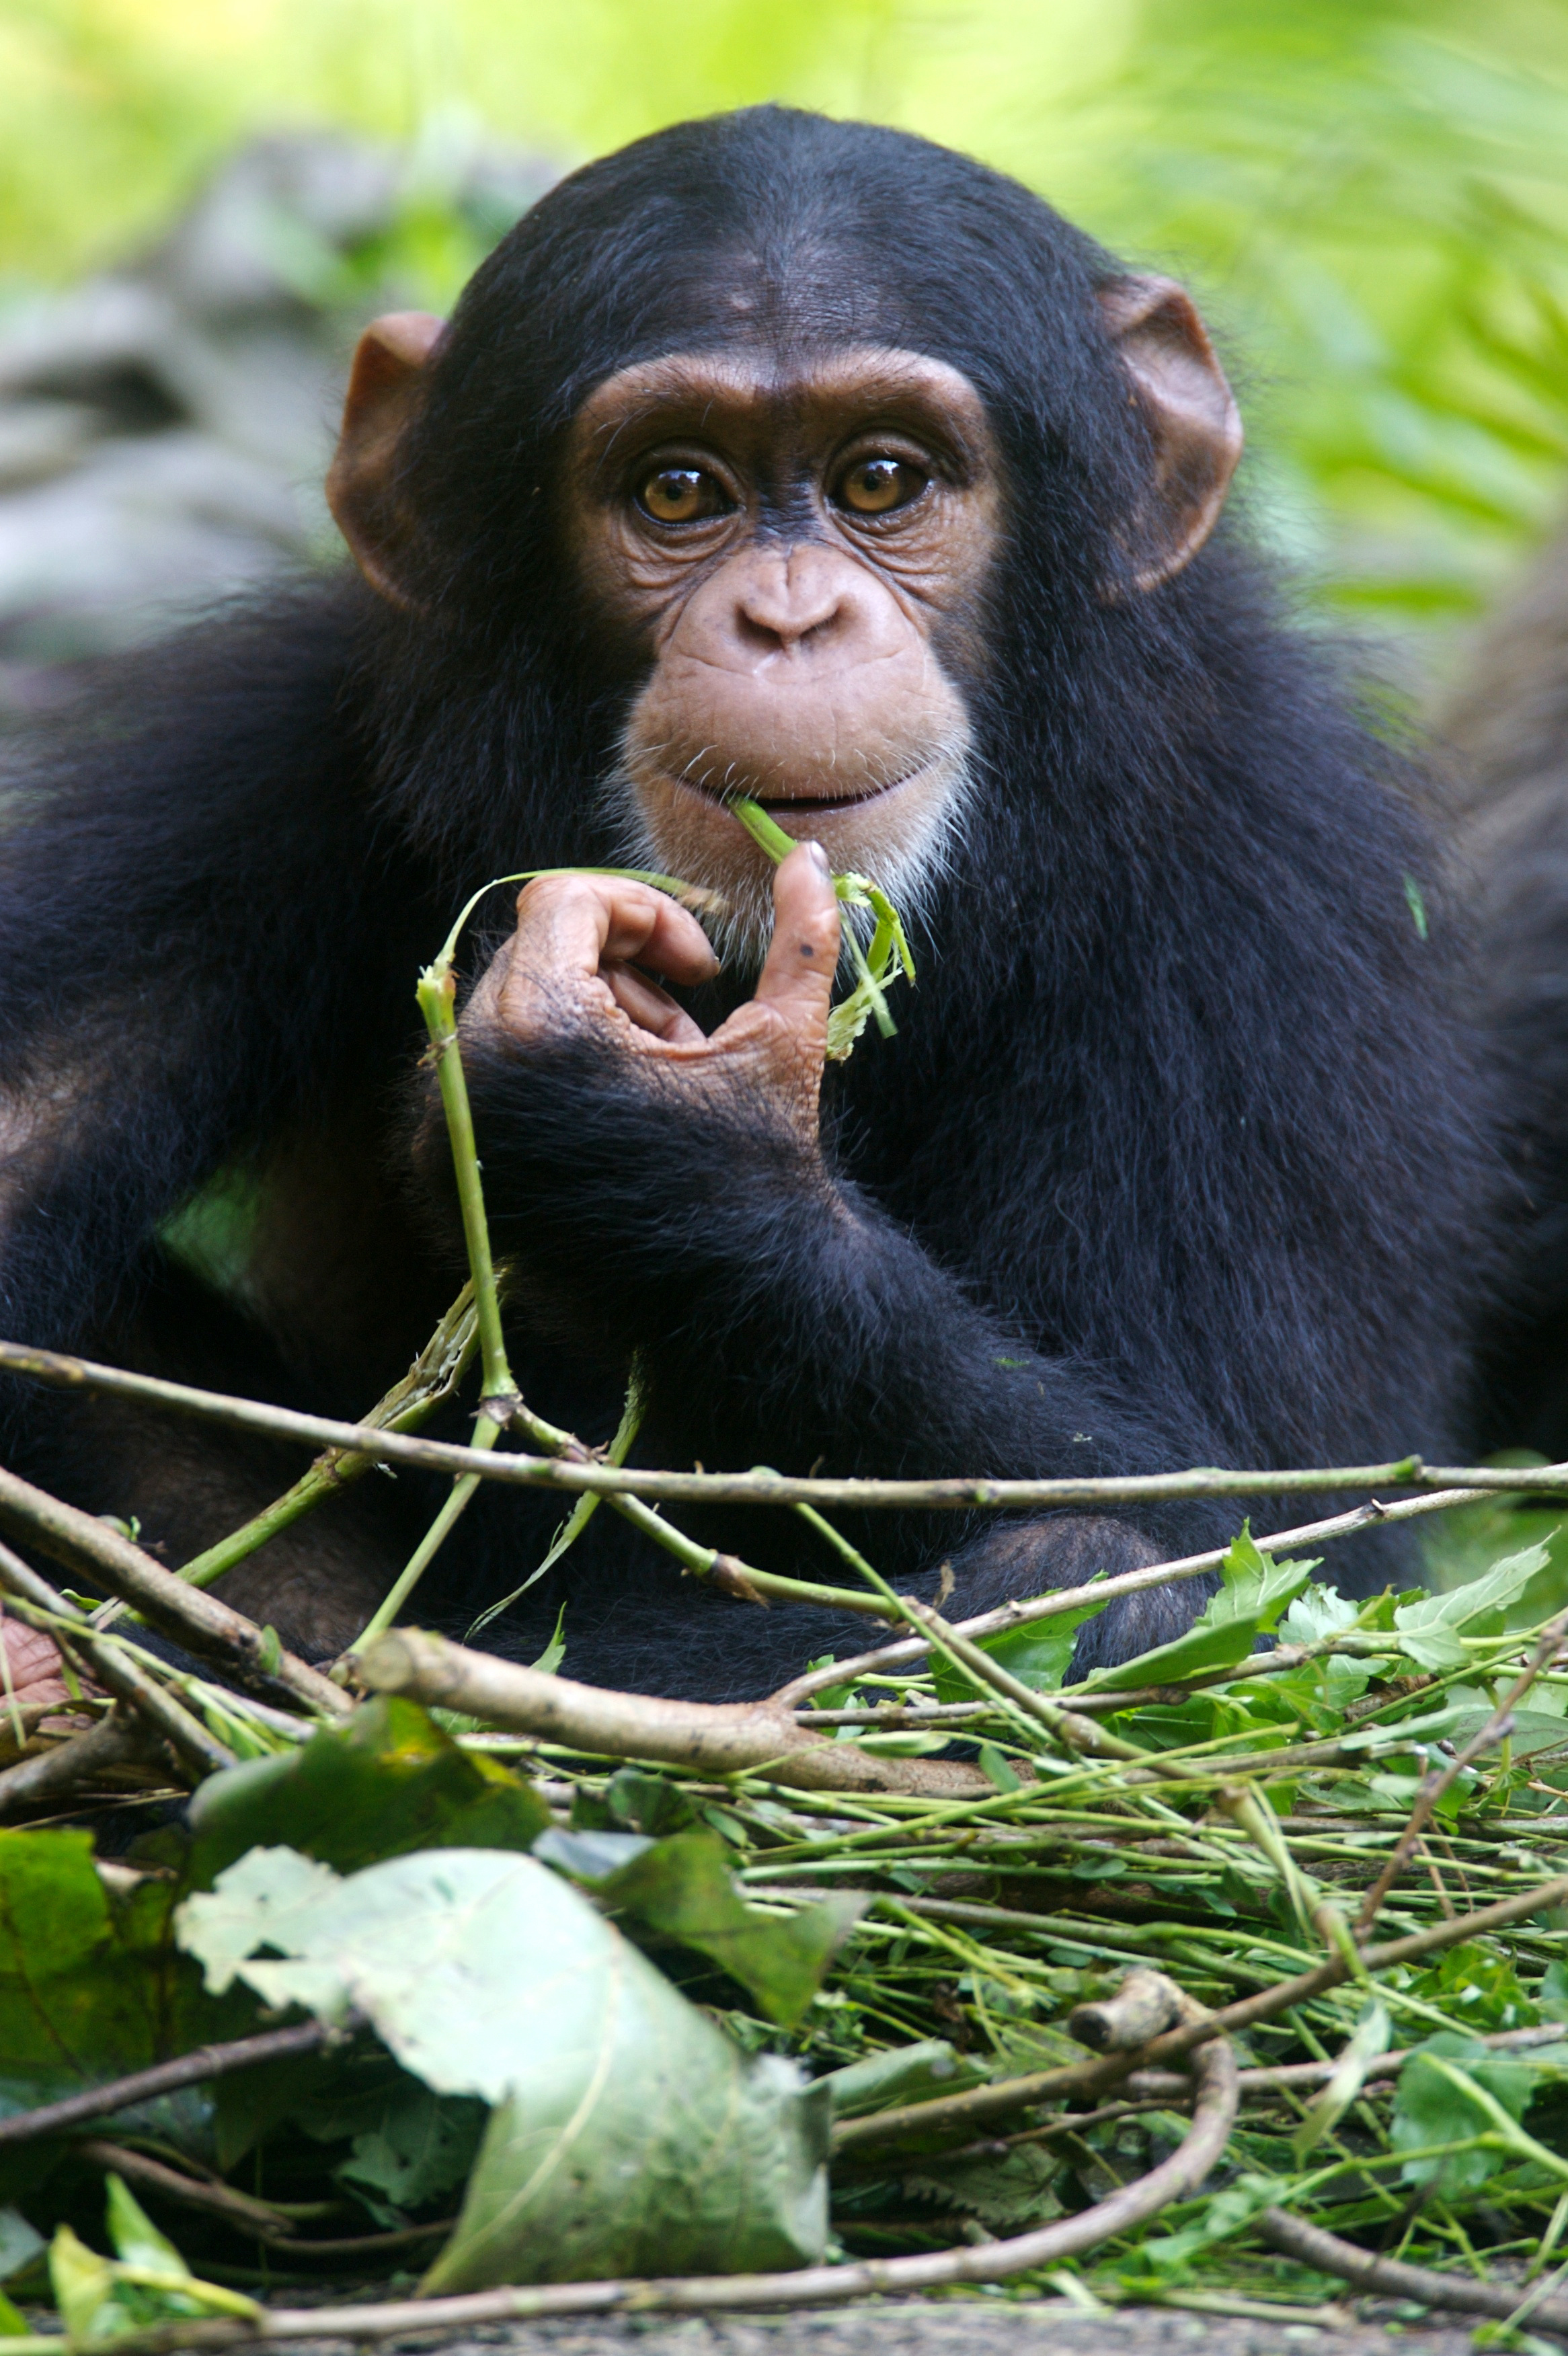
pixel 808 459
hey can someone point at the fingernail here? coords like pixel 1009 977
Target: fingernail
pixel 818 856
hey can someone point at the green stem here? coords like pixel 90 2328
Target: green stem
pixel 410 1404
pixel 486 1434
pixel 437 996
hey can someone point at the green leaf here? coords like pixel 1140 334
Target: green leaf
pixel 905 2073
pixel 554 1652
pixel 148 2284
pixel 89 1985
pixel 1429 2108
pixel 628 2136
pixel 387 1780
pixel 682 1888
pixel 998 1769
pixel 20 2244
pixel 1356 2057
pixel 1256 1590
pixel 1038 1653
pixel 136 2237
pixel 1430 1627
pixel 1317 1611
pixel 1224 2215
pixel 424 2145
pixel 1009 2193
pixel 83 2285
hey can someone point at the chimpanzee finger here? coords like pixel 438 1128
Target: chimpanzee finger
pixel 573 921
pixel 651 1007
pixel 798 977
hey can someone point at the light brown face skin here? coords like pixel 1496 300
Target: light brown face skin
pixel 843 514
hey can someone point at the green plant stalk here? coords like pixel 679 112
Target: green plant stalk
pixel 486 1434
pixel 438 995
pixel 500 1402
pixel 582 1512
pixel 1027 1711
pixel 874 966
pixel 434 1375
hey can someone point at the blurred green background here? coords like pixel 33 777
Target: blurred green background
pixel 1372 199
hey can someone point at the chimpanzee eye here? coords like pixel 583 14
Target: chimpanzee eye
pixel 877 486
pixel 681 495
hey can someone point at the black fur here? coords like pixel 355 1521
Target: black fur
pixel 1174 1159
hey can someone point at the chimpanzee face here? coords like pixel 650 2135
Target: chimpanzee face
pixel 774 512
pixel 797 546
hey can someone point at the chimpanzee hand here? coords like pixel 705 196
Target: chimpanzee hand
pixel 573 965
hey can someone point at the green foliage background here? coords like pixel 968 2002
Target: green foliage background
pixel 1370 195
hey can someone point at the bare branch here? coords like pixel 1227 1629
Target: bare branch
pixel 957 1494
pixel 200 1622
pixel 714 1739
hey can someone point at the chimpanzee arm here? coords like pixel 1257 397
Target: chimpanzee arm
pixel 191 949
pixel 677 1205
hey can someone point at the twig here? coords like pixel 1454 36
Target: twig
pixel 433 1375
pixel 714 1739
pixel 113 1741
pixel 978 2104
pixel 1167 2082
pixel 1438 1780
pixel 199 1621
pixel 1271 2001
pixel 1213 2110
pixel 955 1494
pixel 33 1599
pixel 1074 1734
pixel 217 2199
pixel 1005 1616
pixel 238 2210
pixel 167 2077
pixel 1369 2272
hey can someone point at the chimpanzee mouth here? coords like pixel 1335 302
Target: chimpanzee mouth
pixel 806 804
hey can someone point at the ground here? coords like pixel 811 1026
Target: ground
pixel 947 2327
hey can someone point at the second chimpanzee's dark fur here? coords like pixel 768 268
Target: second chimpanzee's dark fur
pixel 1172 1160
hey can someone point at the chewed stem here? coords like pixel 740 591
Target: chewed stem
pixel 875 965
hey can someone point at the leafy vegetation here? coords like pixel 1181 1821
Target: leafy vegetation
pixel 568 2008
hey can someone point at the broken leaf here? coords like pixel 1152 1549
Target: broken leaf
pixel 629 2134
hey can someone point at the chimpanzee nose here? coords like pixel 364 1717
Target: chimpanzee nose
pixel 798 599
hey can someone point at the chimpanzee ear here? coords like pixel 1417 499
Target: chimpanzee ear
pixel 361 488
pixel 1181 389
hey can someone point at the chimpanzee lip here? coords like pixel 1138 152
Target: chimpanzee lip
pixel 815 805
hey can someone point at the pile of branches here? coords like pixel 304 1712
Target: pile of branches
pixel 1229 1977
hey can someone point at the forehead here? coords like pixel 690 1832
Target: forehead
pixel 755 391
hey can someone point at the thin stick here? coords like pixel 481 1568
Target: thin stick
pixel 486 1434
pixel 111 1741
pixel 167 2077
pixel 199 1621
pixel 433 1376
pixel 32 1599
pixel 905 1649
pixel 1438 1780
pixel 280 2232
pixel 714 1739
pixel 957 1494
pixel 1332 2255
pixel 1214 2111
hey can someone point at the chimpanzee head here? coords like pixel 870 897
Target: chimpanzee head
pixel 734 439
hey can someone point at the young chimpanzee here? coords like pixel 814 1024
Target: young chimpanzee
pixel 808 459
